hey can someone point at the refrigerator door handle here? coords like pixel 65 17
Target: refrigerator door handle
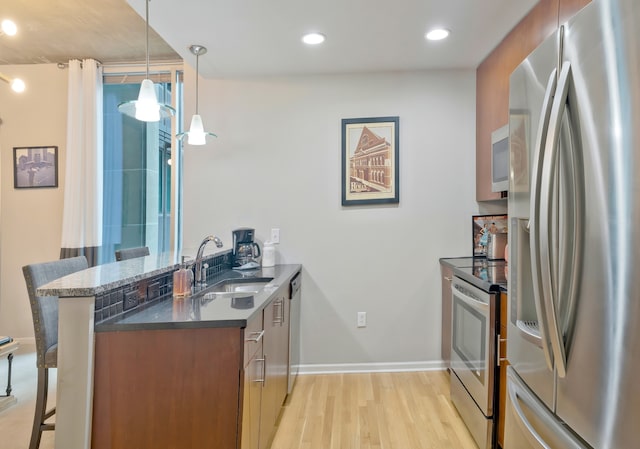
pixel 546 226
pixel 534 231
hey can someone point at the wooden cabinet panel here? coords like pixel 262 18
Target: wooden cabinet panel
pixel 492 79
pixel 167 388
pixel 215 388
pixel 492 85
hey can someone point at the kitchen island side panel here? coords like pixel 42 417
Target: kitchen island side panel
pixel 167 388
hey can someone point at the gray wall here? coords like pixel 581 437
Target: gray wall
pixel 276 163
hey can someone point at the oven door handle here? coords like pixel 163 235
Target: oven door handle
pixel 478 305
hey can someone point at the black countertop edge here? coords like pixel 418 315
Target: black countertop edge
pixel 454 262
pixel 159 314
pixel 459 263
pixel 481 284
pixel 103 327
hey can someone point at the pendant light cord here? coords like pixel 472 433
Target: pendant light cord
pixel 197 71
pixel 147 34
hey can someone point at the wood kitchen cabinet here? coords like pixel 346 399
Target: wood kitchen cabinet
pixel 192 388
pixel 167 388
pixel 492 79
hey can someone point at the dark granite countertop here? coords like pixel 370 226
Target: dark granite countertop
pixel 196 311
pixel 488 275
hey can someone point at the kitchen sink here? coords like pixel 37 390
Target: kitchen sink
pixel 238 289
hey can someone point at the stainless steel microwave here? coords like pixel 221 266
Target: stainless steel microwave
pixel 500 159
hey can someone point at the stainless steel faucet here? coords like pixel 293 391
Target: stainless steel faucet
pixel 207 239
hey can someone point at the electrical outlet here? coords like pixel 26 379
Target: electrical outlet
pixel 275 235
pixel 362 319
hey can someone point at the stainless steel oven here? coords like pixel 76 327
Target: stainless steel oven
pixel 473 363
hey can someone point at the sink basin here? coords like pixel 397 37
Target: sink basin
pixel 238 289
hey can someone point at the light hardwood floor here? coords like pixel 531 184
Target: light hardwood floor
pixel 366 411
pixel 16 421
pixel 333 411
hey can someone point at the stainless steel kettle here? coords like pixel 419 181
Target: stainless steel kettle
pixel 495 246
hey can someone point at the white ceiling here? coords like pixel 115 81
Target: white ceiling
pixel 247 38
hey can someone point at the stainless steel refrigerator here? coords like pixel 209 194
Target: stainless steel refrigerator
pixel 574 242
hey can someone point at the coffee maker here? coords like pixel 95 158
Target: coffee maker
pixel 246 253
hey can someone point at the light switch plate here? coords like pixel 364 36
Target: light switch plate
pixel 362 319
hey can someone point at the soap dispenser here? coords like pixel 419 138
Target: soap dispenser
pixel 182 280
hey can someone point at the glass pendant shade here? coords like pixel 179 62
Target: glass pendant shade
pixel 196 134
pixel 146 108
pixel 196 131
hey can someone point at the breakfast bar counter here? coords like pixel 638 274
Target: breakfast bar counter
pixel 136 294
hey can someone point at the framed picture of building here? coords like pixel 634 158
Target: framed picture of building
pixel 35 167
pixel 370 168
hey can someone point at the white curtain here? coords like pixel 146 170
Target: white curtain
pixel 82 217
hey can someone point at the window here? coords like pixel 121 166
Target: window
pixel 142 194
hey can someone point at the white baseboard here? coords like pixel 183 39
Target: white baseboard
pixel 336 368
pixel 26 341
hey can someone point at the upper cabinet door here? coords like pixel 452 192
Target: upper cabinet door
pixel 492 79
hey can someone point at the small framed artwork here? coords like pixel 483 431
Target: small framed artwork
pixel 370 168
pixel 482 226
pixel 35 167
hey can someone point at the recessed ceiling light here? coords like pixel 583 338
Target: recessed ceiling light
pixel 313 38
pixel 437 34
pixel 9 27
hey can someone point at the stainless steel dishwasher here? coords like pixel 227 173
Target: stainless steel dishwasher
pixel 294 330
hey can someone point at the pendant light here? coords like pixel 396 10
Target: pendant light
pixel 196 134
pixel 146 108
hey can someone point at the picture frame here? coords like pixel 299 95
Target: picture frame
pixel 370 160
pixel 481 226
pixel 35 167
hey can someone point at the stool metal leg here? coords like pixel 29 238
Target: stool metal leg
pixel 10 358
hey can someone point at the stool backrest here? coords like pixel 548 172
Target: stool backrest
pixel 44 309
pixel 131 253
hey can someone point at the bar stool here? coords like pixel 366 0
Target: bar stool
pixel 7 347
pixel 44 311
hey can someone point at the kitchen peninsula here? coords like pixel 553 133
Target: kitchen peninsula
pixel 161 361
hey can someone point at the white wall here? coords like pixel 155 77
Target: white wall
pixel 276 163
pixel 30 219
